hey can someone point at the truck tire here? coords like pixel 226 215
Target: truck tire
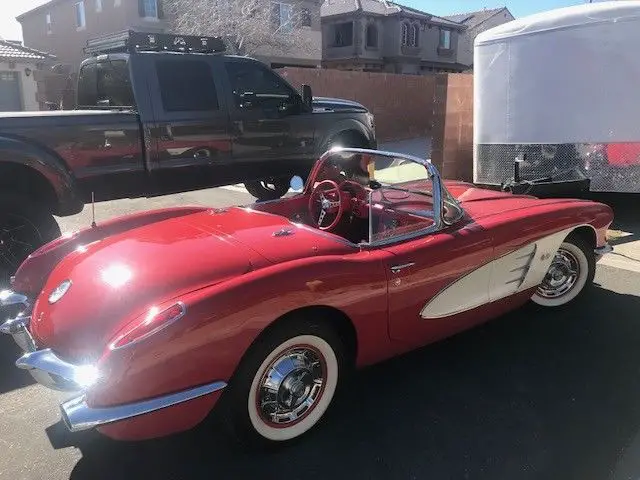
pixel 268 189
pixel 24 227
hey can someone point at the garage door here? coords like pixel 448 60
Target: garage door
pixel 9 92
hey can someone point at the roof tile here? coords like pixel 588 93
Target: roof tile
pixel 16 51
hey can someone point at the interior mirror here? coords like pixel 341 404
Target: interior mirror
pixel 307 95
pixel 296 184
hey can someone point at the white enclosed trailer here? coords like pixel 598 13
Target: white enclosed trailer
pixel 560 90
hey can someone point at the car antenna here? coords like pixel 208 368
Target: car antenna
pixel 93 210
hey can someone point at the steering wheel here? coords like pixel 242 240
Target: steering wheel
pixel 328 199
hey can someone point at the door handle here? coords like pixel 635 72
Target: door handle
pixel 397 268
pixel 202 154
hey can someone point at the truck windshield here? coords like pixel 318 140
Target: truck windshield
pixel 105 84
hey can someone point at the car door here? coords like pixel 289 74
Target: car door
pixel 191 127
pixel 431 294
pixel 434 279
pixel 271 129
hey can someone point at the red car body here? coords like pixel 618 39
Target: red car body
pixel 236 276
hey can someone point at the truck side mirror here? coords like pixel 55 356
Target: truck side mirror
pixel 307 96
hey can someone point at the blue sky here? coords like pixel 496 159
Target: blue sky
pixel 10 29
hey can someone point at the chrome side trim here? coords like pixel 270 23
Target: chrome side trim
pixel 51 371
pixel 78 416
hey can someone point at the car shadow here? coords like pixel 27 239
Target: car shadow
pixel 534 394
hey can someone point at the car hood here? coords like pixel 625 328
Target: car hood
pixel 329 104
pixel 117 278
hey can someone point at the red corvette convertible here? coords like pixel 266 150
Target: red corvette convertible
pixel 160 318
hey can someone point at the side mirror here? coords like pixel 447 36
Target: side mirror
pixel 307 96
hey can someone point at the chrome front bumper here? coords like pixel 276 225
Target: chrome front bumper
pixel 78 416
pixel 57 374
pixel 44 365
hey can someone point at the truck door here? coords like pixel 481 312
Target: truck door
pixel 191 123
pixel 272 132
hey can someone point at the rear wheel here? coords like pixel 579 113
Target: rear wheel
pixel 24 227
pixel 570 274
pixel 285 385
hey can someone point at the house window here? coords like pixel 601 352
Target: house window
pixel 98 6
pixel 48 20
pixel 148 8
pixel 414 41
pixel 372 36
pixel 81 21
pixel 405 34
pixel 305 17
pixel 281 14
pixel 343 34
pixel 445 38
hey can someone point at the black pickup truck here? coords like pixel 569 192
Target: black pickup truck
pixel 159 114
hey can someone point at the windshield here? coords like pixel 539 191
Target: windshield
pixel 105 84
pixel 402 194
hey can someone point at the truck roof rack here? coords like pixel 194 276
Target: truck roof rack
pixel 130 41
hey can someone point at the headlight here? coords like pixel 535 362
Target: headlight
pixel 59 291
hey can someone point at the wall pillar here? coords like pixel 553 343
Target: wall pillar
pixel 452 138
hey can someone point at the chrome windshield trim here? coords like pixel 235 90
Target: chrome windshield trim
pixel 51 371
pixel 78 416
pixel 432 174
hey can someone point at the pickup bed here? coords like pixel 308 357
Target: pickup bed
pixel 160 114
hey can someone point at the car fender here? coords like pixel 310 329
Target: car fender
pixel 223 321
pixel 47 164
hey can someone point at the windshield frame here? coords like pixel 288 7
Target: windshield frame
pixel 440 193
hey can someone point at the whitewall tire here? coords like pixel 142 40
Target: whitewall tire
pixel 571 272
pixel 285 384
pixel 296 358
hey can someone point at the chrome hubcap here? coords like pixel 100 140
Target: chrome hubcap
pixel 291 386
pixel 561 276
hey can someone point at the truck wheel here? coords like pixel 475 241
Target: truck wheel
pixel 268 189
pixel 24 227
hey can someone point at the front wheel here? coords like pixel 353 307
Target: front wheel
pixel 285 384
pixel 571 271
